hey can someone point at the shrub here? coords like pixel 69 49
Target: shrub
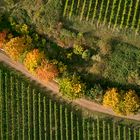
pixel 71 87
pixel 47 71
pixel 96 93
pixel 111 98
pixel 86 54
pixel 123 104
pixel 131 102
pixel 62 67
pixel 17 46
pixel 33 59
pixel 78 49
pixel 21 28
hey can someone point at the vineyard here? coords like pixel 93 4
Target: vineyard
pixel 27 112
pixel 114 13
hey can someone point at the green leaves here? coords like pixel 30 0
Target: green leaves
pixel 71 87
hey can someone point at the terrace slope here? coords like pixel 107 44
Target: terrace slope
pixel 52 85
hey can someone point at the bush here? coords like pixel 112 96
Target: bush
pixel 123 104
pixel 111 98
pixel 71 87
pixel 33 59
pixel 131 102
pixel 86 54
pixel 47 71
pixel 19 28
pixel 78 49
pixel 17 46
pixel 96 93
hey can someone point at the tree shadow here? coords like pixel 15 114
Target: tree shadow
pixel 105 83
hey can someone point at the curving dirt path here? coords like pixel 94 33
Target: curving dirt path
pixel 54 87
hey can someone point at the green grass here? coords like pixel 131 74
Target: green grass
pixel 123 64
pixel 110 12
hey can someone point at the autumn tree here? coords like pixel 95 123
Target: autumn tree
pixel 71 86
pixel 114 100
pixel 123 104
pixel 131 102
pixel 17 46
pixel 33 59
pixel 46 71
pixel 111 98
pixel 2 38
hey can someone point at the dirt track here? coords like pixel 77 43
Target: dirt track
pixel 54 87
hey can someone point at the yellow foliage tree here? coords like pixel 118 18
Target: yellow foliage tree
pixel 131 102
pixel 17 46
pixel 111 98
pixel 33 60
pixel 46 71
pixel 125 104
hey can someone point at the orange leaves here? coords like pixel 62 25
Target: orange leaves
pixel 35 62
pixel 33 59
pixel 46 71
pixel 2 38
pixel 16 47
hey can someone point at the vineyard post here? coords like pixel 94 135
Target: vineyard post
pixel 1 133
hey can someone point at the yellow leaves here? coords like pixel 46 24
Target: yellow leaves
pixel 33 59
pixel 24 29
pixel 21 28
pixel 77 88
pixel 111 98
pixel 131 102
pixel 125 104
pixel 77 49
pixel 72 87
pixel 16 47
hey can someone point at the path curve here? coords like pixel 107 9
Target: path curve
pixel 54 87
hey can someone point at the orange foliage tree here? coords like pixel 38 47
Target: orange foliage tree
pixel 2 38
pixel 17 46
pixel 47 71
pixel 33 59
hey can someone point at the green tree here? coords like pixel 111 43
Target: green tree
pixel 71 86
pixel 96 93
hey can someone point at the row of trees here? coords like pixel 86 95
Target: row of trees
pixel 21 49
pixel 122 103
